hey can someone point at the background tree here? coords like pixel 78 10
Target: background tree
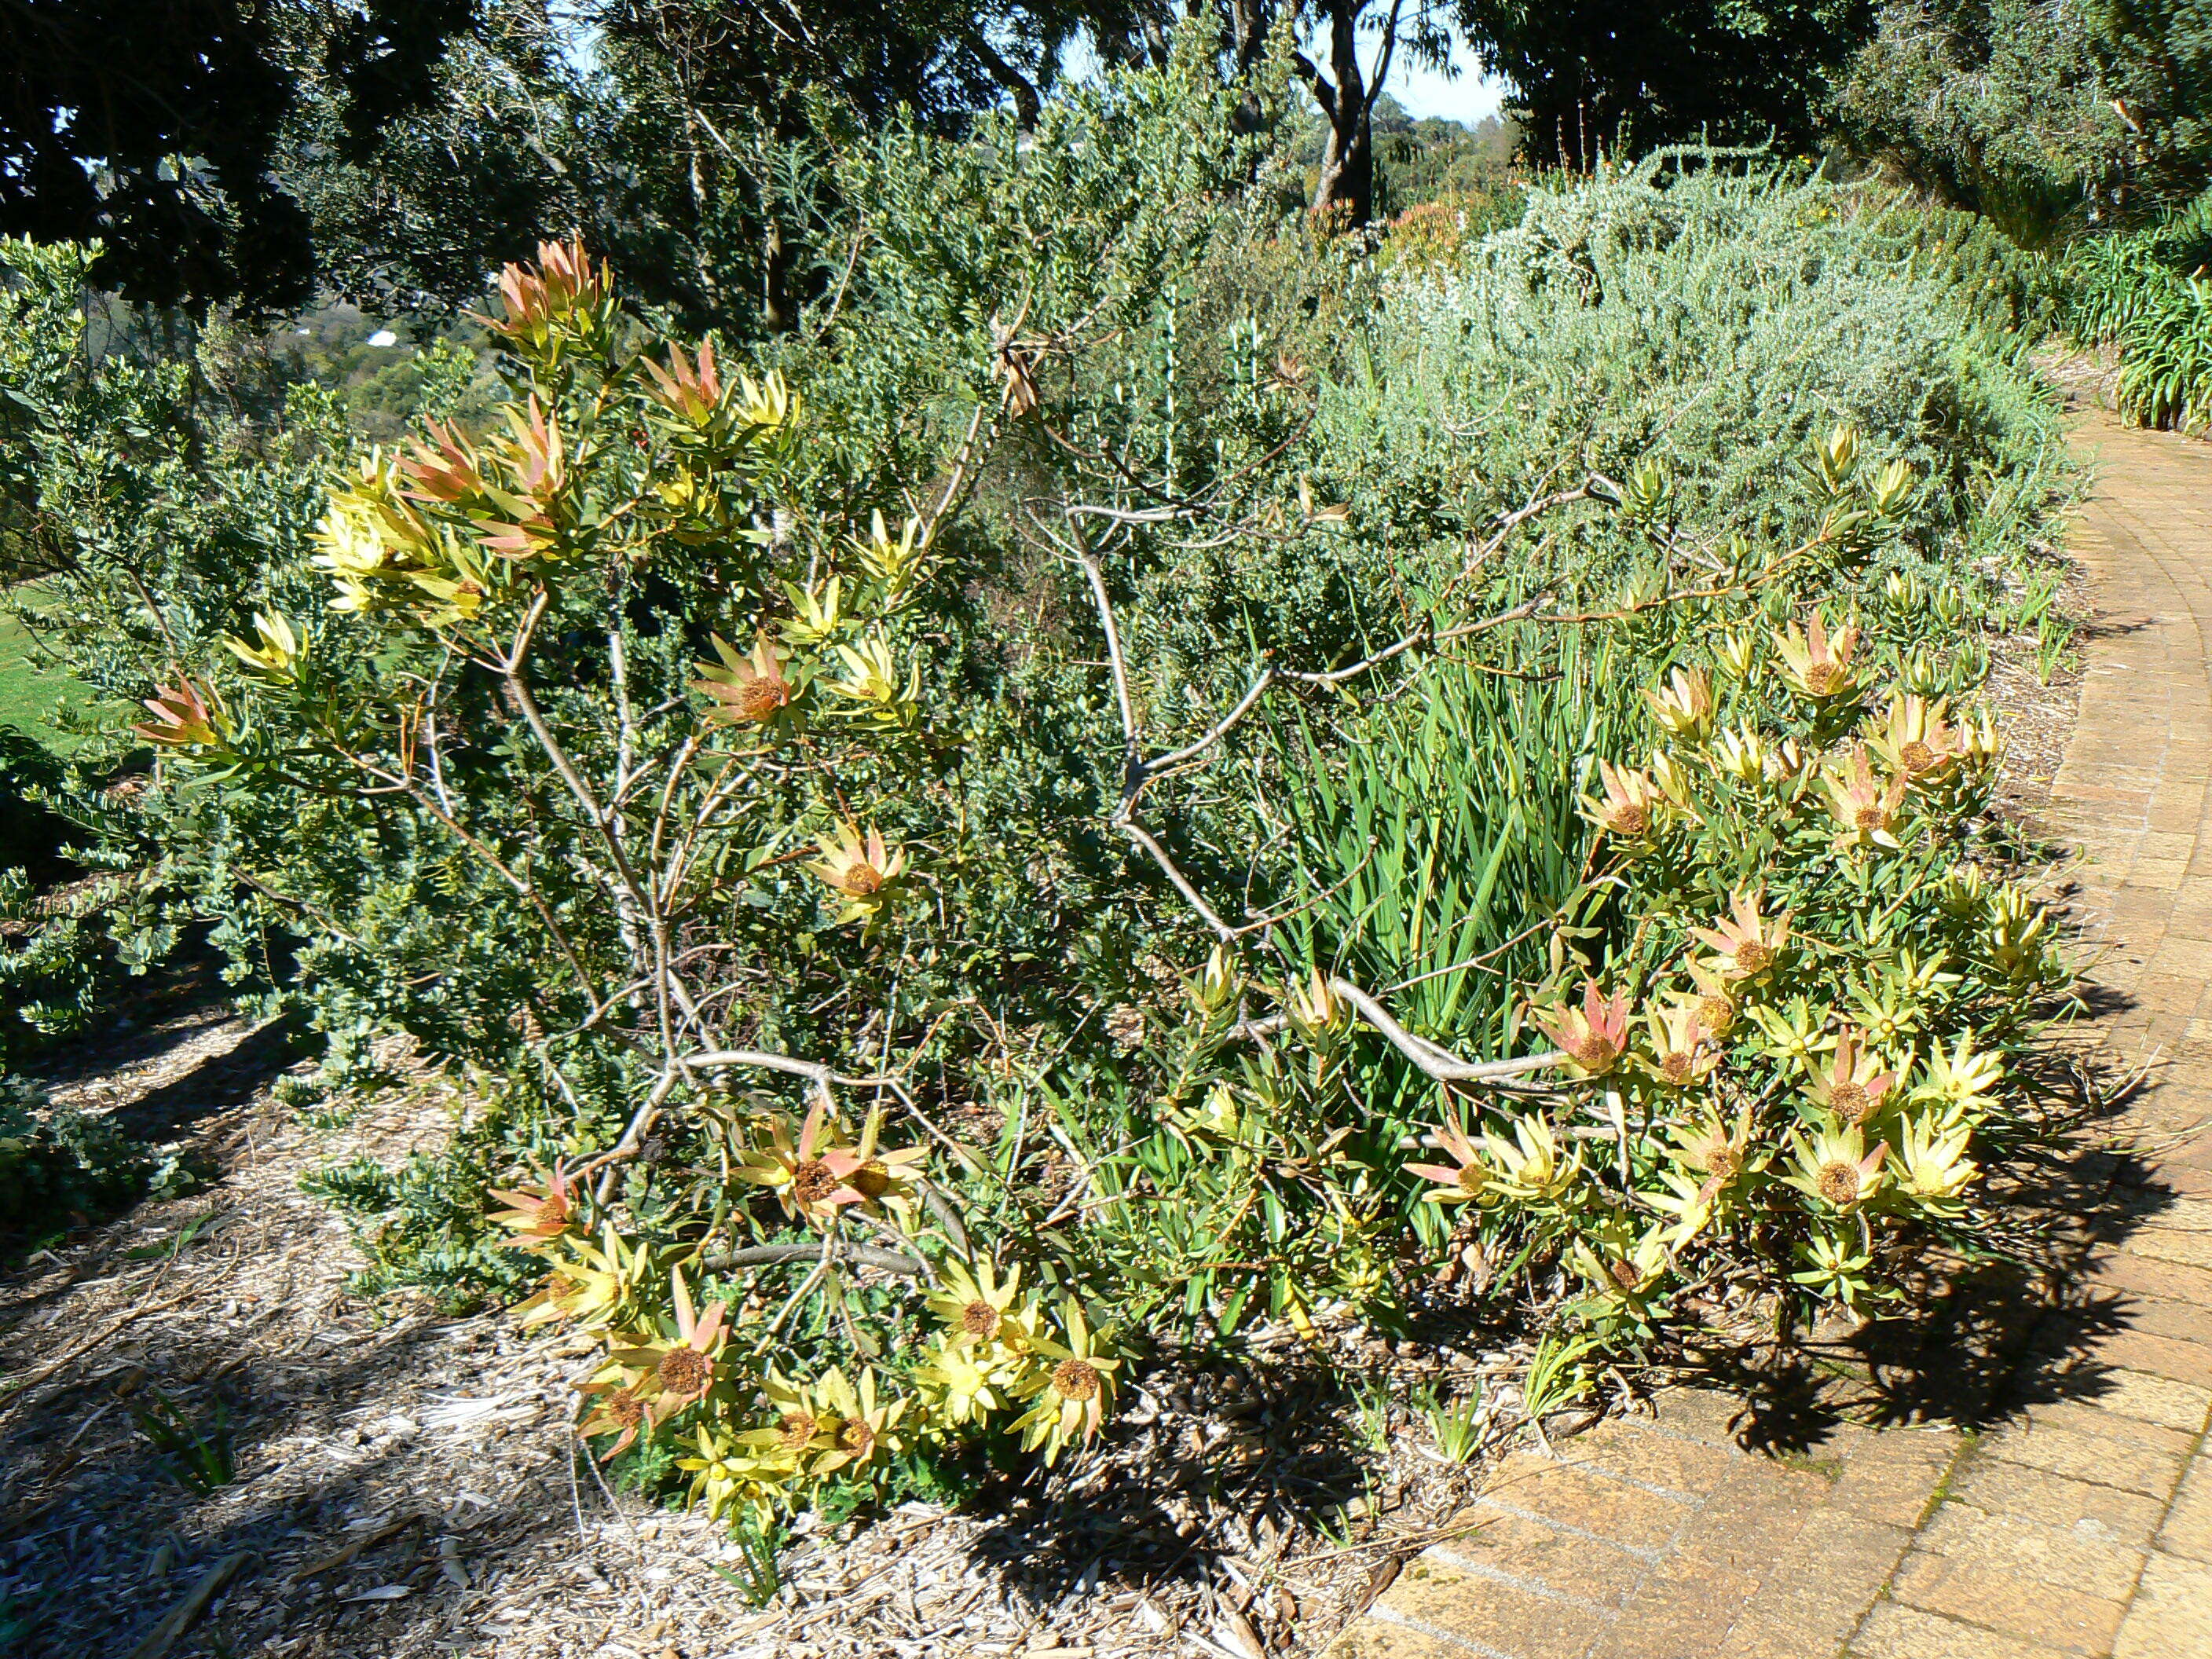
pixel 1331 34
pixel 2158 61
pixel 153 126
pixel 2046 117
pixel 2000 106
pixel 1592 75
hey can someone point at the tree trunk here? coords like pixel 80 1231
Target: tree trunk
pixel 1346 190
pixel 1016 85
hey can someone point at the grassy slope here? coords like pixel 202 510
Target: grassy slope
pixel 28 697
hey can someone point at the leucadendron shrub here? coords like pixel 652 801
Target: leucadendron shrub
pixel 967 849
pixel 671 784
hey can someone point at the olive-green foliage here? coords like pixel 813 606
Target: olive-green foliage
pixel 2143 294
pixel 60 1166
pixel 1713 317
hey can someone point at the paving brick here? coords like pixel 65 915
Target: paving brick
pixel 1981 1595
pixel 1647 1459
pixel 1706 1414
pixel 2102 1513
pixel 1371 1638
pixel 2087 1457
pixel 2188 1528
pixel 2160 1317
pixel 1845 1555
pixel 1683 1611
pixel 1745 1526
pixel 2171 1614
pixel 1588 1502
pixel 2165 1400
pixel 2089 1415
pixel 1891 1477
pixel 2160 1356
pixel 2146 1276
pixel 2184 1246
pixel 2029 1550
pixel 1793 1617
pixel 1895 1632
pixel 1436 1595
pixel 1536 1553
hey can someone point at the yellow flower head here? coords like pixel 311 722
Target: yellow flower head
pixel 1866 811
pixel 1684 705
pixel 1816 665
pixel 275 657
pixel 1852 1087
pixel 1071 1388
pixel 747 689
pixel 1747 944
pixel 1530 1167
pixel 865 872
pixel 1632 808
pixel 1594 1037
pixel 1916 741
pixel 1466 1178
pixel 1835 1170
pixel 1681 1057
pixel 1934 1169
pixel 1741 754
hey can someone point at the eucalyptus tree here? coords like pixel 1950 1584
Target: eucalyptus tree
pixel 1592 75
pixel 154 125
pixel 1328 37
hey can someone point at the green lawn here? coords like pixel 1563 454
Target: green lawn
pixel 29 698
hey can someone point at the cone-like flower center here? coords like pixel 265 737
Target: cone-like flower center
pixel 795 1430
pixel 1629 818
pixel 1870 817
pixel 625 1408
pixel 1753 956
pixel 980 1319
pixel 1823 677
pixel 684 1371
pixel 1916 756
pixel 1625 1276
pixel 812 1181
pixel 1851 1102
pixel 1840 1184
pixel 760 697
pixel 856 1436
pixel 1074 1380
pixel 1594 1053
pixel 862 879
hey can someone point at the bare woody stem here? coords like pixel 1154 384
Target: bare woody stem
pixel 860 1255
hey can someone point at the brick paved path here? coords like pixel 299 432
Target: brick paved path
pixel 2078 1520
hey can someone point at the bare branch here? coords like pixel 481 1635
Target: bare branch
pixel 861 1256
pixel 1439 1063
pixel 1136 832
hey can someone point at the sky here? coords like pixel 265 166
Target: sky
pixel 1425 92
pixel 1466 97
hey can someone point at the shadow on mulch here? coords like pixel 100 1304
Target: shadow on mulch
pixel 87 1567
